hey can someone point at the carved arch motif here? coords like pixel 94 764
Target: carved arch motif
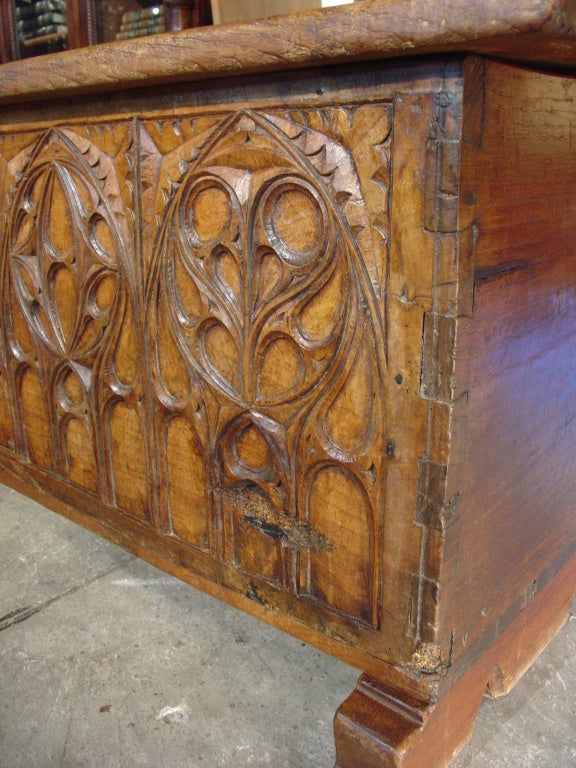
pixel 202 344
pixel 66 283
pixel 266 336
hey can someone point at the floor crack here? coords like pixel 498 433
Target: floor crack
pixel 21 614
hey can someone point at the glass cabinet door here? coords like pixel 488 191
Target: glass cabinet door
pixel 128 19
pixel 34 27
pixel 41 26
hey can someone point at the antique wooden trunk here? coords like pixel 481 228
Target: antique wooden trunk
pixel 293 317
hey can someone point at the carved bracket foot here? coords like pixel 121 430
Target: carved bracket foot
pixel 379 726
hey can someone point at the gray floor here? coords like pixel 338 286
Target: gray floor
pixel 109 643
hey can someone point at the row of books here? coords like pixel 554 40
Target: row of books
pixel 38 18
pixel 147 21
pixel 27 8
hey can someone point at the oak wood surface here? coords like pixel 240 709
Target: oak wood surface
pixel 306 339
pixel 132 440
pixel 530 30
pixel 514 357
pixel 379 726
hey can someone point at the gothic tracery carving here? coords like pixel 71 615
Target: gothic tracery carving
pixel 223 315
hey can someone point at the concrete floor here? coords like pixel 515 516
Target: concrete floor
pixel 109 642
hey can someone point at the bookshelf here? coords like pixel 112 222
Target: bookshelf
pixel 227 11
pixel 35 27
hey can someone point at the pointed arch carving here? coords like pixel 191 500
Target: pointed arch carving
pixel 70 296
pixel 263 298
pixel 194 322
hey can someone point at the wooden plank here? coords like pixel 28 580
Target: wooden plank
pixel 535 30
pixel 514 357
pixel 380 726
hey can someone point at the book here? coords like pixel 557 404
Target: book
pixel 144 13
pixel 48 29
pixel 42 6
pixel 141 32
pixel 38 7
pixel 41 20
pixel 49 5
pixel 25 12
pixel 144 24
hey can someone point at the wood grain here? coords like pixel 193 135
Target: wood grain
pixel 514 358
pixel 306 339
pixel 205 376
pixel 530 30
pixel 201 371
pixel 380 726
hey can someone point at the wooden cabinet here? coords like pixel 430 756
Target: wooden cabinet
pixel 45 26
pixel 290 315
pixel 36 27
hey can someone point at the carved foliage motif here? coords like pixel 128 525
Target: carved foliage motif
pixel 215 332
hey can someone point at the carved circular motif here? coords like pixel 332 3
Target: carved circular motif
pixel 101 292
pixel 70 392
pixel 102 238
pixel 219 351
pixel 295 221
pixel 251 450
pixel 207 212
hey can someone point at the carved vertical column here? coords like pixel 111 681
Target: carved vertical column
pixel 438 497
pixel 10 44
pixel 81 18
pixel 183 14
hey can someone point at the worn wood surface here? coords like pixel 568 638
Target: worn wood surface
pixel 379 726
pixel 228 11
pixel 306 341
pixel 207 385
pixel 529 30
pixel 514 358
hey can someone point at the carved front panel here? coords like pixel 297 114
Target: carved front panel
pixel 193 332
